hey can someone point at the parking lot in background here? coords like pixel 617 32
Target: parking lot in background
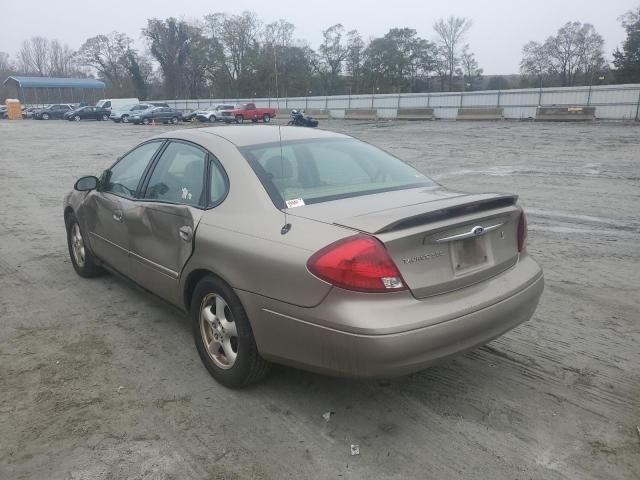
pixel 100 380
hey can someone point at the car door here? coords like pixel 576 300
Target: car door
pixel 105 210
pixel 163 114
pixel 163 223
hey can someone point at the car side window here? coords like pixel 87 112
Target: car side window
pixel 178 176
pixel 217 184
pixel 126 173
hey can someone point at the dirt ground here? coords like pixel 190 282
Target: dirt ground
pixel 100 381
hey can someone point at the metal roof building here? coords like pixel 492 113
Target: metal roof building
pixel 40 90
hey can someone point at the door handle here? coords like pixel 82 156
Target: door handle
pixel 117 216
pixel 186 233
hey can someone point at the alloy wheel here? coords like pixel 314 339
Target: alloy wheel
pixel 77 245
pixel 219 332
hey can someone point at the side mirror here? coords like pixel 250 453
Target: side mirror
pixel 86 184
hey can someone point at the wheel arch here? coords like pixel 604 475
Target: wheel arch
pixel 68 211
pixel 192 280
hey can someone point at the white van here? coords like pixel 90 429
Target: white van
pixel 116 103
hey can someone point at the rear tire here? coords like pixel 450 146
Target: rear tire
pixel 105 117
pixel 146 121
pixel 221 325
pixel 239 119
pixel 213 119
pixel 84 262
pixel 125 119
pixel 174 120
pixel 76 118
pixel 45 116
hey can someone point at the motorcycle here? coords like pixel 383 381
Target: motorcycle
pixel 298 118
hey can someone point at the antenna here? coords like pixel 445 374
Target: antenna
pixel 287 226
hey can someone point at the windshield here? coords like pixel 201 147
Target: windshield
pixel 320 170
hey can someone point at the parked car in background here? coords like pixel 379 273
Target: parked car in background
pixel 213 113
pixel 190 115
pixel 55 111
pixel 123 114
pixel 87 113
pixel 3 111
pixel 193 114
pixel 156 115
pixel 248 111
pixel 116 103
pixel 27 112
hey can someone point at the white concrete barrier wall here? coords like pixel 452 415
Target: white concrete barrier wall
pixel 612 102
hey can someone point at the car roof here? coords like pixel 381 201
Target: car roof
pixel 246 135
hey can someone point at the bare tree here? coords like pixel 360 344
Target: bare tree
pixel 333 52
pixel 279 33
pixel 450 34
pixel 576 49
pixel 170 43
pixel 278 39
pixel 33 56
pixel 107 54
pixel 535 61
pixel 238 36
pixel 471 71
pixel 62 60
pixel 355 58
pixel 5 63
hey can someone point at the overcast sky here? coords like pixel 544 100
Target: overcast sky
pixel 500 27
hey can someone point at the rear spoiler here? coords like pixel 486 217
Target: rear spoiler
pixel 422 213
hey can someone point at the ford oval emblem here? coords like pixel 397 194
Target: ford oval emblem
pixel 477 230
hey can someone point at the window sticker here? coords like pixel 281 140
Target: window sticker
pixel 295 202
pixel 185 194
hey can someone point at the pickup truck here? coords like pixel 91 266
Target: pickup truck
pixel 248 111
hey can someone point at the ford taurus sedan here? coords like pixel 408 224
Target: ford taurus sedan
pixel 306 248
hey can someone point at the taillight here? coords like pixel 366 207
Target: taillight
pixel 522 231
pixel 358 263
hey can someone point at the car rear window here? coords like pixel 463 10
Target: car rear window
pixel 319 170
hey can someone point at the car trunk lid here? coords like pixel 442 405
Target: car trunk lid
pixel 439 240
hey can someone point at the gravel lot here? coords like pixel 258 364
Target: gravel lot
pixel 100 381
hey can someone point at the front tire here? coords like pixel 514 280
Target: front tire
pixel 45 116
pixel 105 117
pixel 76 118
pixel 239 119
pixel 125 119
pixel 213 119
pixel 84 262
pixel 174 120
pixel 146 121
pixel 223 335
pixel 266 118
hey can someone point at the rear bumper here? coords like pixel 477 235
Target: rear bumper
pixel 293 336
